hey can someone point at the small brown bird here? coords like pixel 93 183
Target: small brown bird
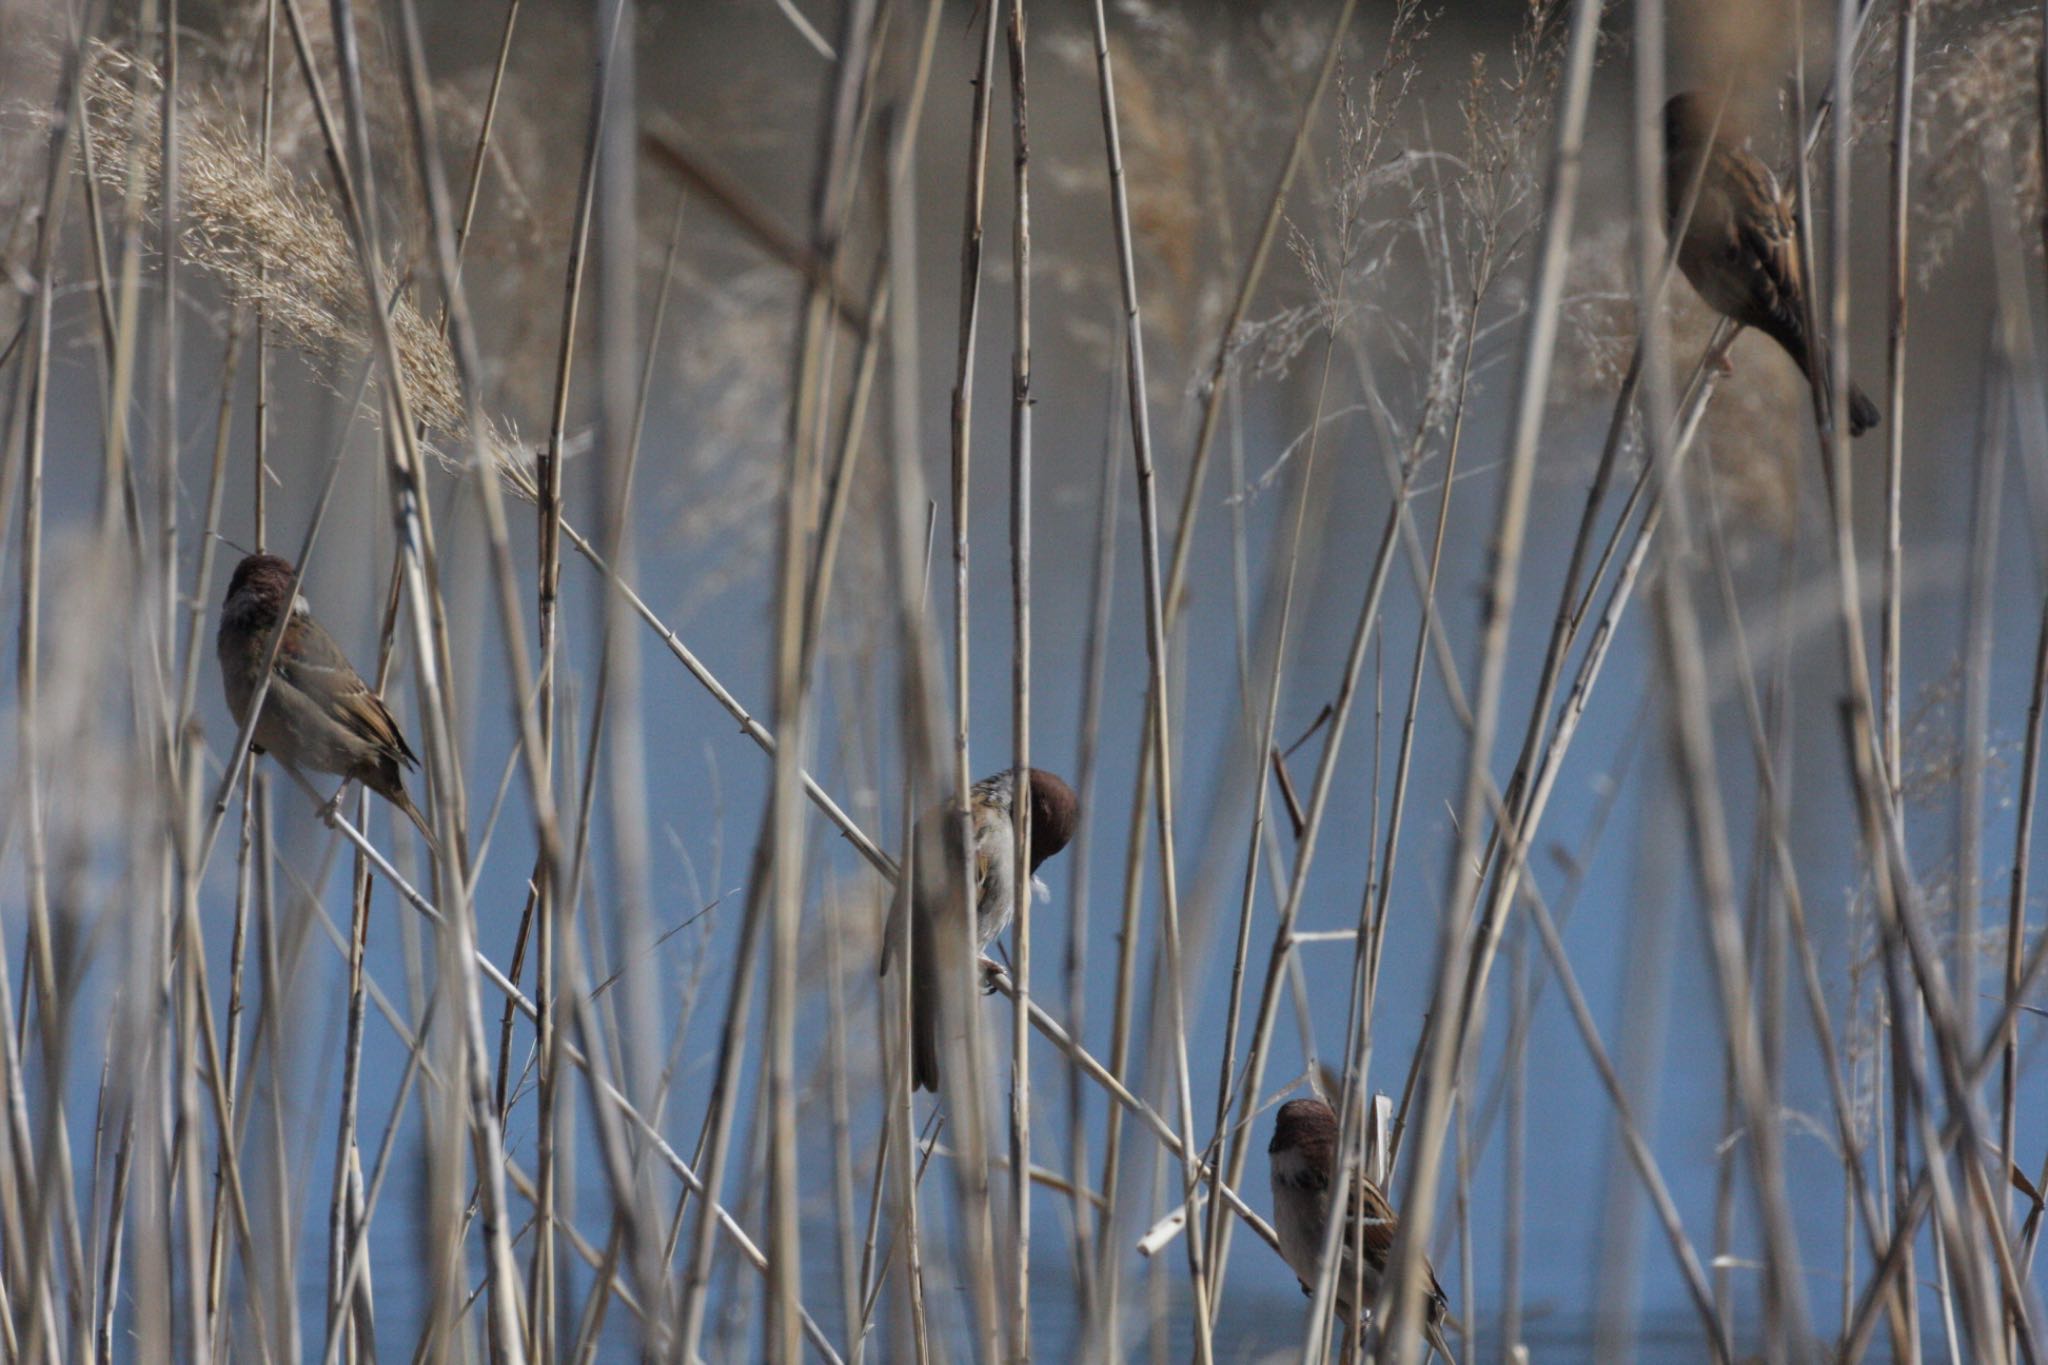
pixel 1303 1156
pixel 1055 812
pixel 318 713
pixel 1740 248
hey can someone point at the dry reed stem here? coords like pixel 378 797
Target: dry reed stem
pixel 1157 630
pixel 1021 488
pixel 1095 650
pixel 975 1231
pixel 918 704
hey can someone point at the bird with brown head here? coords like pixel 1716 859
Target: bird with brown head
pixel 1055 814
pixel 1739 247
pixel 318 713
pixel 1305 1171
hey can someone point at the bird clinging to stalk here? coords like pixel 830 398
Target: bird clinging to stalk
pixel 1740 246
pixel 318 713
pixel 1305 1171
pixel 935 900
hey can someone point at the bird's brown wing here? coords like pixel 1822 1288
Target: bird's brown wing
pixel 1768 244
pixel 312 662
pixel 1370 1224
pixel 1767 255
pixel 924 1008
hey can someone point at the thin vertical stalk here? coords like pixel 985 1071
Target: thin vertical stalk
pixel 541 902
pixel 1105 1330
pixel 259 487
pixel 963 400
pixel 1514 1158
pixel 216 492
pixel 620 366
pixel 1161 728
pixel 1020 702
pixel 28 442
pixel 970 1170
pixel 484 129
pixel 118 497
pixel 1095 651
pixel 338 1240
pixel 917 705
pixel 168 192
pixel 1980 591
pixel 783 827
pixel 1895 375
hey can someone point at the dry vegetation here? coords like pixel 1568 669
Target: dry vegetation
pixel 1366 282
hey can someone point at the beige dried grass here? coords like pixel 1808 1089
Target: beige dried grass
pixel 274 242
pixel 1980 100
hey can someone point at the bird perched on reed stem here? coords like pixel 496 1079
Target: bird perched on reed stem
pixel 1740 246
pixel 935 899
pixel 1305 1167
pixel 318 714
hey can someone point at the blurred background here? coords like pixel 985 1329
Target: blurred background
pixel 1384 333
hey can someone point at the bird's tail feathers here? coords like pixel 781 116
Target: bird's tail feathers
pixel 1862 413
pixel 924 1041
pixel 927 996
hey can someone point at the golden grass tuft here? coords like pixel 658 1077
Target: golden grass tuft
pixel 274 243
